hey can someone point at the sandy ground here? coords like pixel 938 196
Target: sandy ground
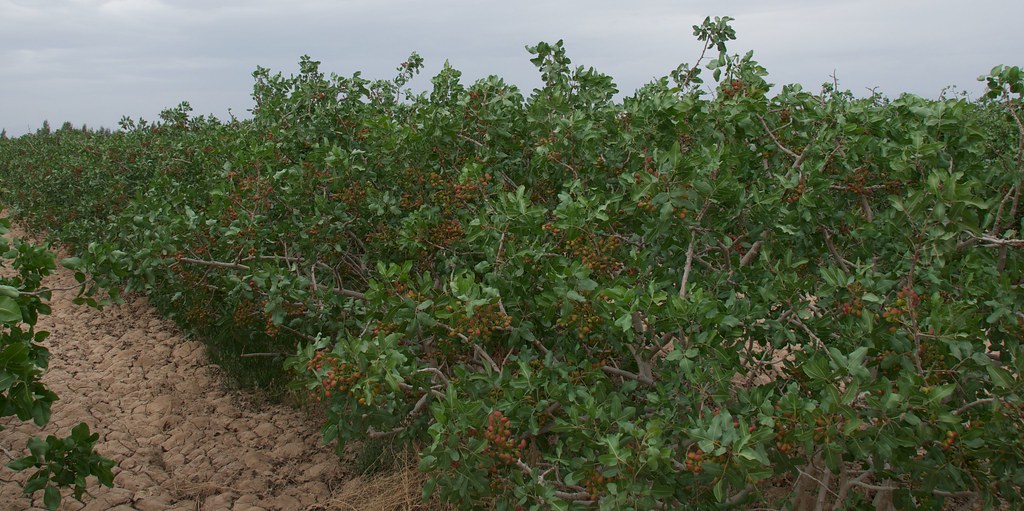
pixel 180 438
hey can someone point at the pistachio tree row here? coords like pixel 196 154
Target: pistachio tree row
pixel 714 292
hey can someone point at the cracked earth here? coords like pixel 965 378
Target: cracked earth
pixel 181 439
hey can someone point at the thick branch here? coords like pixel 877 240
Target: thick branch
pixel 614 371
pixel 1001 263
pixel 349 293
pixel 868 215
pixel 736 499
pixel 992 241
pixel 579 496
pixel 972 404
pixel 873 487
pixel 483 354
pixel 42 291
pixel 687 266
pixel 307 337
pixel 823 492
pixel 259 355
pixel 241 267
pixel 575 496
pixel 689 251
pixel 778 144
pixel 751 254
pixel 954 494
pixel 467 139
pixel 436 371
pixel 416 410
pixel 215 264
pixel 835 253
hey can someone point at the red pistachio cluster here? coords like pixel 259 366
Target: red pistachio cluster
pixel 906 299
pixel 353 196
pixel 338 376
pixel 502 446
pixel 732 88
pixel 782 433
pixel 825 427
pixel 595 484
pixel 851 308
pixel 695 461
pixel 486 320
pixel 583 319
pixel 453 198
pixel 596 252
pixel 445 233
pixel 949 441
pixel 793 195
pixel 245 313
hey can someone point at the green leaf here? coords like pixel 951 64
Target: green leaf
pixel 428 463
pixel 71 263
pixel 625 322
pixel 51 498
pixel 1001 377
pixel 10 311
pixel 40 413
pixel 22 463
pixel 816 369
pixel 754 455
pixel 851 425
pixel 996 314
pixel 941 393
pixel 856 358
pixel 850 393
pixel 719 490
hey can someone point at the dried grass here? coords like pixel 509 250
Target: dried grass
pixel 398 489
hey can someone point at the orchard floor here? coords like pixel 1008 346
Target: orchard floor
pixel 181 439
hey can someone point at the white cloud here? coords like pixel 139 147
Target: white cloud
pixel 92 61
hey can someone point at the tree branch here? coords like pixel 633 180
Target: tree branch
pixel 483 354
pixel 258 355
pixel 736 499
pixel 778 144
pixel 575 496
pixel 751 254
pixel 615 371
pixel 416 410
pixel 42 291
pixel 349 293
pixel 835 253
pixel 436 371
pixel 215 264
pixel 687 266
pixel 1001 263
pixel 868 215
pixel 972 404
pixel 992 241
pixel 689 250
pixel 241 267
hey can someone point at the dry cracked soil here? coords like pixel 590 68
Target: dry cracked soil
pixel 181 439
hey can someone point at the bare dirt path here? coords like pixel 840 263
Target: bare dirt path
pixel 180 439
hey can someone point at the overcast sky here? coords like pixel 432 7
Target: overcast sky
pixel 92 61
